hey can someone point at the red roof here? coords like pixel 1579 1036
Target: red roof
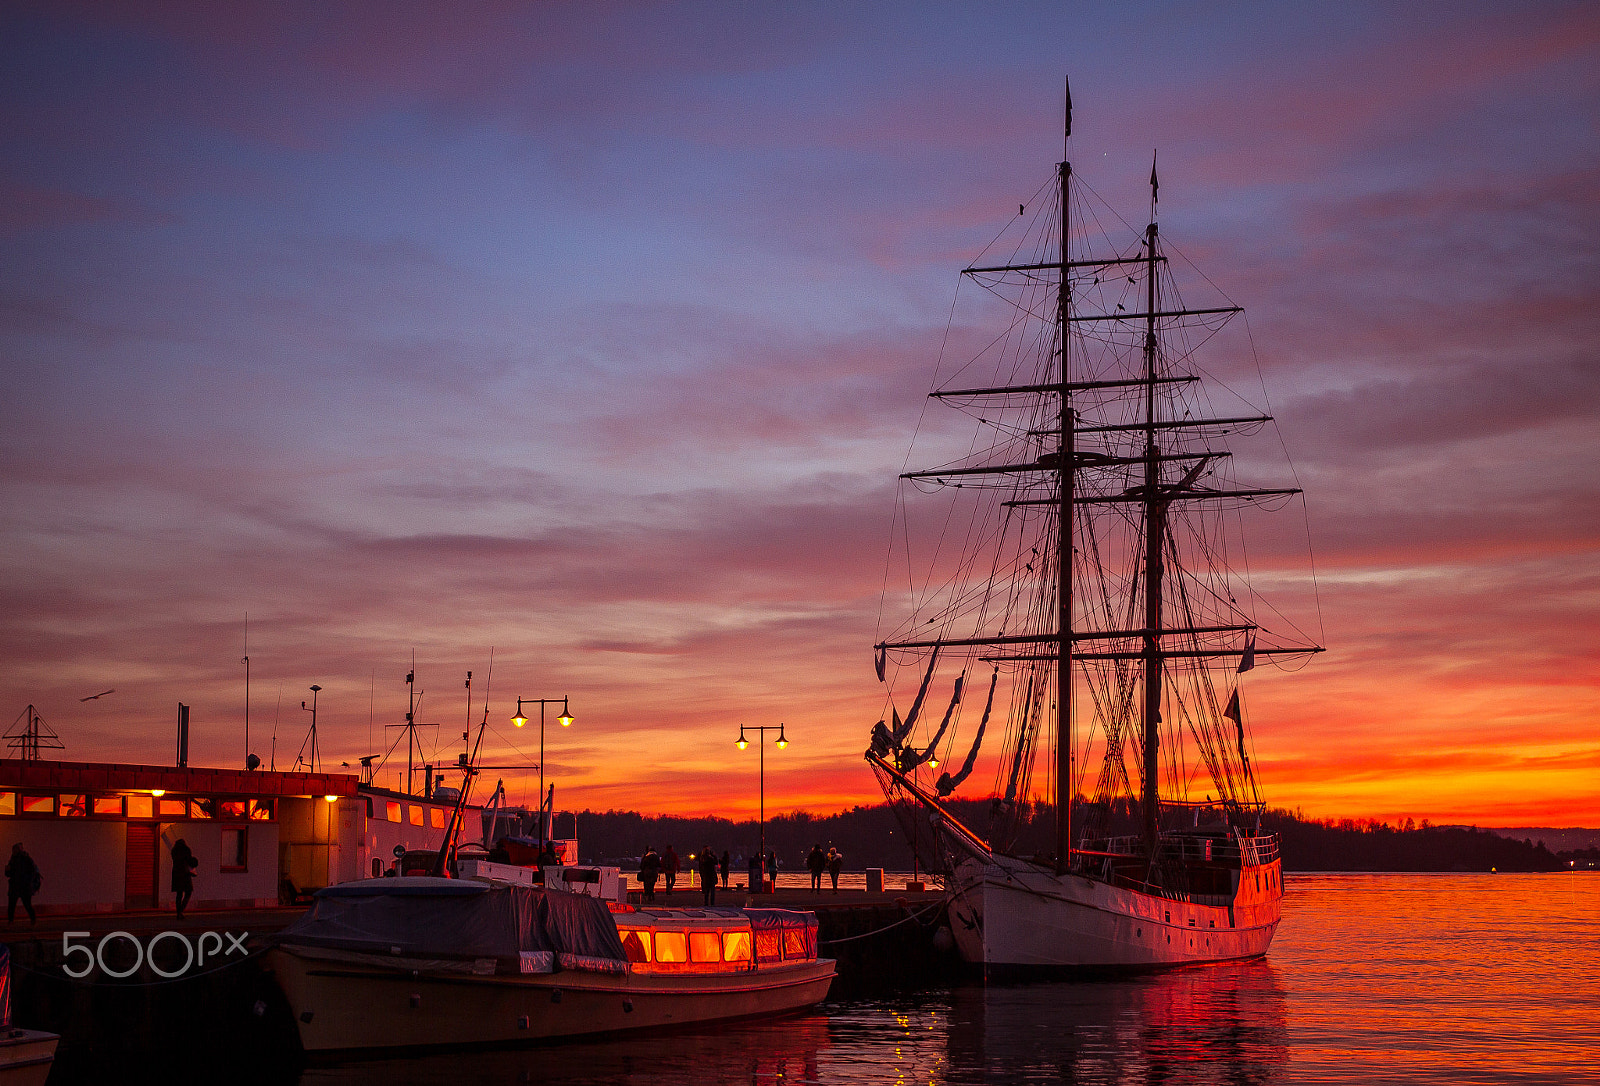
pixel 116 777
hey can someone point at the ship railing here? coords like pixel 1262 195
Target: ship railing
pixel 1246 851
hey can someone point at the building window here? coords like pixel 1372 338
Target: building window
pixel 235 856
pixel 172 808
pixel 233 808
pixel 436 816
pixel 141 807
pixel 39 804
pixel 106 805
pixel 416 815
pixel 261 810
pixel 8 803
pixel 73 806
pixel 391 810
pixel 202 808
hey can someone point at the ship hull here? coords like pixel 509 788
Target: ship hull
pixel 1010 915
pixel 346 1007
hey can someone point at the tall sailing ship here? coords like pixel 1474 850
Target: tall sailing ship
pixel 1089 582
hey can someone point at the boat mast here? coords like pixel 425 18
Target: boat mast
pixel 1065 478
pixel 1155 518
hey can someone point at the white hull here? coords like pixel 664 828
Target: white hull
pixel 346 1005
pixel 1013 914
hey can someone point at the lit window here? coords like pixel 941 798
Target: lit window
pixel 261 810
pixel 436 816
pixel 234 852
pixel 38 804
pixel 106 805
pixel 8 803
pixel 671 946
pixel 141 807
pixel 415 814
pixel 736 946
pixel 202 808
pixel 391 811
pixel 172 808
pixel 794 943
pixel 636 944
pixel 72 807
pixel 233 808
pixel 704 946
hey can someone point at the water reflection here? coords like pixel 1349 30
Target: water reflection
pixel 785 1050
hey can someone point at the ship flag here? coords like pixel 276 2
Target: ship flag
pixel 1232 713
pixel 1248 660
pixel 1155 186
pixel 878 662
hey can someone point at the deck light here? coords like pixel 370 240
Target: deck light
pixel 330 799
pixel 158 792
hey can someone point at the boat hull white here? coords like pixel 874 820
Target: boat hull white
pixel 346 1006
pixel 1010 914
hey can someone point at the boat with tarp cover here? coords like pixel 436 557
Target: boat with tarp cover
pixel 423 962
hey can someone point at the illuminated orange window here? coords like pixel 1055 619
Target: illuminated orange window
pixel 794 943
pixel 233 808
pixel 73 806
pixel 8 803
pixel 141 807
pixel 106 805
pixel 436 816
pixel 769 946
pixel 416 815
pixel 736 946
pixel 202 808
pixel 636 944
pixel 172 808
pixel 391 811
pixel 671 946
pixel 38 804
pixel 704 946
pixel 261 810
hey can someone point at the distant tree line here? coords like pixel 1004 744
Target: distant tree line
pixel 873 836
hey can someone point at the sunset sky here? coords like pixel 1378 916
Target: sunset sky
pixel 596 334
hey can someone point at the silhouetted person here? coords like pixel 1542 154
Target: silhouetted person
pixel 183 865
pixel 772 867
pixel 724 866
pixel 22 882
pixel 649 872
pixel 815 862
pixel 835 865
pixel 707 863
pixel 671 867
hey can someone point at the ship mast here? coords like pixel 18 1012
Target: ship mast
pixel 1065 476
pixel 1155 510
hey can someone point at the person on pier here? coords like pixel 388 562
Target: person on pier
pixel 707 865
pixel 183 868
pixel 815 862
pixel 22 882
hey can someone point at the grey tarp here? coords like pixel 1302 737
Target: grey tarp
pixel 460 919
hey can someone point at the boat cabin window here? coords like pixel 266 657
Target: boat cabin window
pixel 636 944
pixel 391 810
pixel 794 943
pixel 736 946
pixel 436 817
pixel 671 946
pixel 415 814
pixel 704 946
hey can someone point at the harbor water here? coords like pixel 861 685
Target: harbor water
pixel 1372 978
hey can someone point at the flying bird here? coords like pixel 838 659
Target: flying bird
pixel 103 693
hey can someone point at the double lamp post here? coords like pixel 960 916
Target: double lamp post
pixel 519 720
pixel 761 737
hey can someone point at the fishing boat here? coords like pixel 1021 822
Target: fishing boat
pixel 422 962
pixel 1087 569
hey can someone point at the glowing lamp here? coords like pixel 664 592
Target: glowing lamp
pixel 743 742
pixel 519 720
pixel 158 792
pixel 782 742
pixel 565 718
pixel 330 799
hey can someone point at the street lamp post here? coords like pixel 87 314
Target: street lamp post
pixel 761 742
pixel 519 720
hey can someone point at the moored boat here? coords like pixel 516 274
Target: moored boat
pixel 413 963
pixel 1102 592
